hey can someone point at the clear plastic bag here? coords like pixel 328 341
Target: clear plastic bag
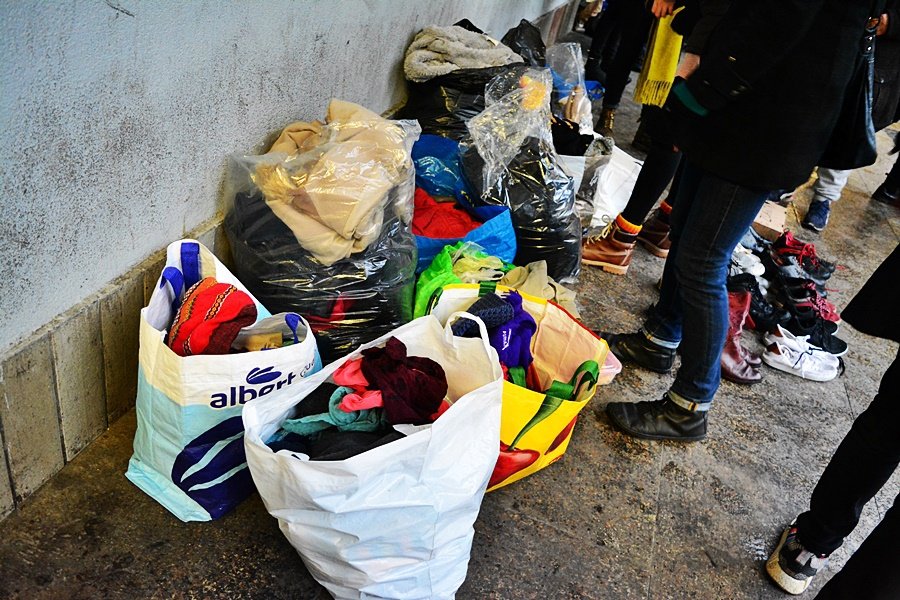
pixel 321 225
pixel 541 198
pixel 517 108
pixel 570 97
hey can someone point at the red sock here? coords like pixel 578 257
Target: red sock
pixel 665 207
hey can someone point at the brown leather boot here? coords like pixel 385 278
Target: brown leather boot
pixel 654 236
pixel 734 365
pixel 605 125
pixel 610 250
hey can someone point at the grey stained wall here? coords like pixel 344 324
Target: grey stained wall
pixel 116 117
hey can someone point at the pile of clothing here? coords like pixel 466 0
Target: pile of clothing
pixel 218 318
pixel 320 224
pixel 510 331
pixel 778 289
pixel 466 262
pixel 365 398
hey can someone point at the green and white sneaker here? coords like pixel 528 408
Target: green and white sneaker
pixel 792 566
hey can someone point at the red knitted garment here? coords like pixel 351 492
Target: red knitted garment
pixel 209 319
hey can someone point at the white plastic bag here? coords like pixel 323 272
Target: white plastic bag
pixel 396 521
pixel 188 452
pixel 615 182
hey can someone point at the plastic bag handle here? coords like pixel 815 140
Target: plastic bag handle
pixel 482 329
pixel 587 372
pixel 190 263
pixel 175 279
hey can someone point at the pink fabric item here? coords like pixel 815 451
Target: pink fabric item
pixel 361 401
pixel 350 375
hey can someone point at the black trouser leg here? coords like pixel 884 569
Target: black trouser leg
pixel 865 459
pixel 636 21
pixel 659 167
pixel 873 572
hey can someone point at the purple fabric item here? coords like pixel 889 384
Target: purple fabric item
pixel 412 387
pixel 512 340
pixel 492 309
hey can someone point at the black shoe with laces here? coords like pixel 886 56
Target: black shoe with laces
pixel 820 332
pixel 763 316
pixel 658 420
pixel 792 566
pixel 636 348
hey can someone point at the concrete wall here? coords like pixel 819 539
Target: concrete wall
pixel 117 116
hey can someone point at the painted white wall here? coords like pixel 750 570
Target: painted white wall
pixel 117 115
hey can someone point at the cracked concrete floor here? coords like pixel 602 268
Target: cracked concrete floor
pixel 616 518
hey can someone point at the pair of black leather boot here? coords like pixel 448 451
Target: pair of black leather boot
pixel 657 419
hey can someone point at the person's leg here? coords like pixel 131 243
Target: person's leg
pixel 657 172
pixel 604 39
pixel 830 183
pixel 874 567
pixel 714 223
pixel 635 27
pixel 636 21
pixel 863 462
pixel 889 191
pixel 828 187
pixel 709 218
pixel 664 324
pixel 865 459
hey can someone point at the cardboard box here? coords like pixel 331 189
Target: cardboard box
pixel 769 223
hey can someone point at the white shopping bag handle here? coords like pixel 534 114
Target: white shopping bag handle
pixel 482 329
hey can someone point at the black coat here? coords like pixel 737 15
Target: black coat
pixel 773 78
pixel 886 97
pixel 875 309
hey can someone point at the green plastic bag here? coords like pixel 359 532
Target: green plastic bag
pixel 441 272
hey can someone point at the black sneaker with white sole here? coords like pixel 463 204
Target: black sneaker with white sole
pixel 820 332
pixel 792 566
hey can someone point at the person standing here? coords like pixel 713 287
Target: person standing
pixel 865 459
pixel 830 183
pixel 755 116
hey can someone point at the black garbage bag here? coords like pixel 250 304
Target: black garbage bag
pixel 525 40
pixel 351 302
pixel 443 105
pixel 541 197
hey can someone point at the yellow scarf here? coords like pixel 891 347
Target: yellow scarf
pixel 658 71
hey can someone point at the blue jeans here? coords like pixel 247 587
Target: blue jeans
pixel 709 217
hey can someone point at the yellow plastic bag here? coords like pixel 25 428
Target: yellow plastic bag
pixel 535 427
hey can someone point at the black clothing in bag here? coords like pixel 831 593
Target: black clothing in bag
pixel 443 105
pixel 541 198
pixel 351 302
pixel 852 143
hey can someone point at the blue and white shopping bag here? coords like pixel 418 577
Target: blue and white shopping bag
pixel 189 446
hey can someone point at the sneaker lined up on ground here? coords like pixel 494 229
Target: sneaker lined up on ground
pixel 810 365
pixel 744 261
pixel 780 335
pixel 803 295
pixel 818 331
pixel 792 566
pixel 789 247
